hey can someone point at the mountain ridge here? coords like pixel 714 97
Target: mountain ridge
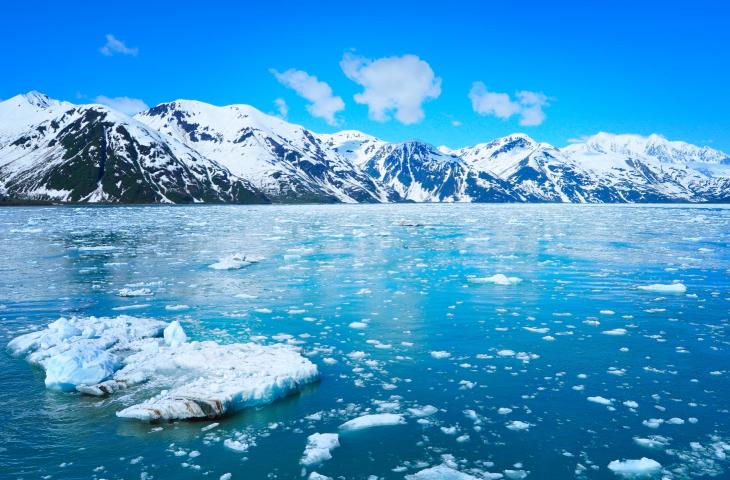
pixel 187 151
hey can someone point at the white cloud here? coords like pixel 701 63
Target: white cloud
pixel 528 105
pixel 323 103
pixel 126 105
pixel 395 86
pixel 114 45
pixel 281 107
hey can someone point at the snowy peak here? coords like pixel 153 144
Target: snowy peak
pixel 286 161
pixel 31 99
pixel 355 146
pixel 191 151
pixel 653 146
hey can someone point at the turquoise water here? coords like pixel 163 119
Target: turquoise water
pixel 404 271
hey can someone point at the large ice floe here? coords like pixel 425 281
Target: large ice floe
pixel 99 356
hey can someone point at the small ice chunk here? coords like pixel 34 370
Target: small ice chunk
pixel 635 468
pixel 664 288
pixel 234 262
pixel 132 292
pixel 615 332
pixel 498 279
pixel 318 476
pixel 440 472
pixel 440 354
pixel 518 425
pixel 373 420
pixel 174 334
pixel 319 448
pixel 425 411
pixel 600 400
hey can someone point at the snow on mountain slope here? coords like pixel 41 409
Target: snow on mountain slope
pixel 356 146
pixel 653 167
pixel 92 153
pixel 21 112
pixel 419 172
pixel 188 151
pixel 286 161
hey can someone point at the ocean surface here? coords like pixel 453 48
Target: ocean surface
pixel 509 368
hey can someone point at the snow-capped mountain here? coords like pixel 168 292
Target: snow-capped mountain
pixel 653 168
pixel 56 151
pixel 356 146
pixel 419 172
pixel 189 151
pixel 285 161
pixel 605 169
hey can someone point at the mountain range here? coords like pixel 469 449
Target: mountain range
pixel 187 151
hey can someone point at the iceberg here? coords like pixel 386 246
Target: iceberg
pixel 99 356
pixel 664 288
pixel 635 468
pixel 373 420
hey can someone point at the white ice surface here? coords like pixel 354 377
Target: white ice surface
pixel 99 356
pixel 440 472
pixel 664 288
pixel 319 448
pixel 498 279
pixel 373 420
pixel 635 468
pixel 174 334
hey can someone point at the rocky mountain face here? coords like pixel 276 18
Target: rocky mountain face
pixel 187 151
pixel 91 153
pixel 287 162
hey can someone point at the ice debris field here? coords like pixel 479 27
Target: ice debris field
pixel 421 342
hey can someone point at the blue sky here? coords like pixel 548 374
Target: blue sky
pixel 397 70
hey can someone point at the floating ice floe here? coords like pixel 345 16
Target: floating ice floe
pixel 135 292
pixel 373 420
pixel 440 472
pixel 518 425
pixel 498 279
pixel 425 411
pixel 600 400
pixel 234 262
pixel 664 288
pixel 635 468
pixel 440 354
pixel 319 448
pixel 99 356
